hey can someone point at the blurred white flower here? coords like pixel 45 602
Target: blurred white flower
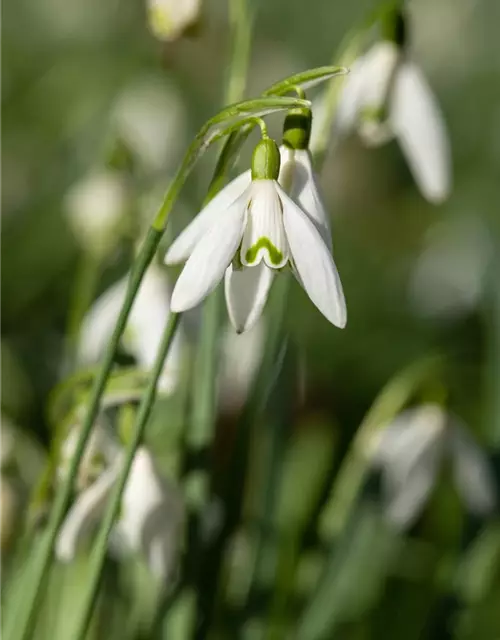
pixel 102 448
pixel 250 230
pixel 146 324
pixel 149 117
pixel 410 453
pixel 169 19
pixel 95 209
pixel 449 275
pixel 150 522
pixel 240 358
pixel 385 96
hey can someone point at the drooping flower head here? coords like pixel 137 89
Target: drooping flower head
pixel 410 453
pixel 252 230
pixel 385 96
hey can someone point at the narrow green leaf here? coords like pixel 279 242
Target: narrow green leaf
pixel 305 80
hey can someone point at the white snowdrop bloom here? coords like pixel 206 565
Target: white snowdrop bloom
pixel 410 453
pixel 169 19
pixel 449 275
pixel 149 117
pixel 150 522
pixel 95 209
pixel 251 230
pixel 146 324
pixel 386 95
pixel 241 355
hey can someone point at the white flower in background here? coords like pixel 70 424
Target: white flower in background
pixel 95 208
pixel 411 452
pixel 449 276
pixel 169 19
pixel 102 448
pixel 249 231
pixel 385 96
pixel 149 117
pixel 145 327
pixel 240 357
pixel 150 522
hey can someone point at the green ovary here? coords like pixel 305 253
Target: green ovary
pixel 275 254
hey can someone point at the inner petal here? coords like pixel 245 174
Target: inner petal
pixel 264 237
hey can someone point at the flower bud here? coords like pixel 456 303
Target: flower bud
pixel 297 128
pixel 266 160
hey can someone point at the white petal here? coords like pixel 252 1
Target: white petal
pixel 240 358
pixel 314 263
pixel 212 214
pixel 350 98
pixel 264 237
pixel 409 452
pixel 85 513
pixel 366 87
pixel 210 258
pixel 148 317
pixel 474 476
pixel 152 515
pixel 99 323
pixel 406 496
pixel 306 192
pixel 246 291
pixel 419 126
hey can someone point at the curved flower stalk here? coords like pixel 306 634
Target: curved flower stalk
pixel 96 207
pixel 386 95
pixel 145 327
pixel 151 518
pixel 410 453
pixel 170 19
pixel 251 230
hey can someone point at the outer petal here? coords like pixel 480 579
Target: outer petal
pixel 100 321
pixel 210 258
pixel 409 453
pixel 314 263
pixel 213 214
pixel 474 477
pixel 351 97
pixel 152 516
pixel 246 294
pixel 85 513
pixel 306 192
pixel 264 237
pixel 419 126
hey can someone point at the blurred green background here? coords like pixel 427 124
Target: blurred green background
pixel 418 279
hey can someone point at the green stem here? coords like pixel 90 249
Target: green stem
pixel 35 588
pixel 101 544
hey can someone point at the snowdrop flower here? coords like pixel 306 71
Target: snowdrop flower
pixel 385 96
pixel 251 230
pixel 241 355
pixel 150 522
pixel 149 117
pixel 169 19
pixel 147 321
pixel 95 208
pixel 410 453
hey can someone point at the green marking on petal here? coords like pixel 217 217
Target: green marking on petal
pixel 374 114
pixel 275 254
